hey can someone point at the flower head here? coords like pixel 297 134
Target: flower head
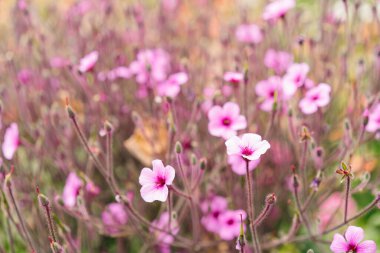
pixel 249 146
pixel 11 141
pixel 268 90
pixel 114 216
pixel 171 87
pixel 352 242
pixel 213 209
pixel 155 182
pixel 71 189
pixel 316 97
pixel 295 77
pixel 87 63
pixel 225 121
pixel 277 10
pixel 279 61
pixel 374 119
pixel 230 224
pixel 249 33
pixel 233 77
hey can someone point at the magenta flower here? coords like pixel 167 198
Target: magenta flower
pixel 374 119
pixel 155 182
pixel 238 164
pixel 213 209
pixel 233 77
pixel 230 224
pixel 24 76
pixel 295 77
pixel 165 238
pixel 71 190
pixel 88 62
pixel 11 141
pixel 114 216
pixel 266 89
pixel 277 10
pixel 249 33
pixel 249 146
pixel 225 121
pixel 172 86
pixel 352 242
pixel 316 97
pixel 279 61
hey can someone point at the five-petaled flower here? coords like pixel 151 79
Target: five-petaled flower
pixel 316 97
pixel 352 242
pixel 155 182
pixel 225 121
pixel 250 146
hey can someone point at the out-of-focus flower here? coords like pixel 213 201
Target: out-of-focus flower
pixel 267 89
pixel 114 216
pixel 374 119
pixel 295 77
pixel 277 10
pixel 230 224
pixel 208 93
pixel 87 63
pixel 213 209
pixel 250 146
pixel 238 164
pixel 249 33
pixel 316 97
pixel 171 87
pixel 225 121
pixel 59 62
pixel 24 76
pixel 169 5
pixel 279 61
pixel 11 141
pixel 155 182
pixel 165 238
pixel 233 77
pixel 92 189
pixel 71 189
pixel 352 242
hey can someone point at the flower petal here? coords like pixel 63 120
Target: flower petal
pixel 233 145
pixel 367 247
pixel 146 176
pixel 150 193
pixel 248 140
pixel 354 235
pixel 339 244
pixel 169 174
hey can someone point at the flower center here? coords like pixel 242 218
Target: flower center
pixel 215 214
pixel 226 121
pixel 315 97
pixel 271 93
pixel 230 222
pixel 246 151
pixel 160 181
pixel 352 248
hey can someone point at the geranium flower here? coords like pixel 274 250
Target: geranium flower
pixel 172 86
pixel 249 146
pixel 230 224
pixel 277 10
pixel 238 164
pixel 165 238
pixel 213 209
pixel 225 121
pixel 295 77
pixel 71 189
pixel 374 119
pixel 352 242
pixel 249 33
pixel 88 62
pixel 114 216
pixel 11 141
pixel 279 61
pixel 155 182
pixel 266 89
pixel 316 97
pixel 233 77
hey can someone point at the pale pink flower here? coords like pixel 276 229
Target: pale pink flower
pixel 122 72
pixel 230 224
pixel 374 119
pixel 213 209
pixel 59 62
pixel 249 33
pixel 295 77
pixel 71 189
pixel 266 89
pixel 87 63
pixel 315 98
pixel 11 141
pixel 277 9
pixel 114 217
pixel 352 242
pixel 233 77
pixel 208 94
pixel 279 61
pixel 238 164
pixel 172 86
pixel 225 121
pixel 249 146
pixel 155 182
pixel 165 238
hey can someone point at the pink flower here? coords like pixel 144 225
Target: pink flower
pixel 165 238
pixel 71 189
pixel 266 89
pixel 351 242
pixel 88 62
pixel 59 62
pixel 249 146
pixel 277 9
pixel 11 141
pixel 238 164
pixel 249 33
pixel 24 76
pixel 374 119
pixel 213 209
pixel 225 121
pixel 230 224
pixel 316 97
pixel 295 77
pixel 114 216
pixel 171 87
pixel 233 77
pixel 155 182
pixel 279 61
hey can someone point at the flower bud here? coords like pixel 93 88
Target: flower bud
pixel 203 164
pixel 193 159
pixel 44 201
pixel 108 126
pixel 178 147
pixel 271 199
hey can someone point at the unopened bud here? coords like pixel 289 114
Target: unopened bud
pixel 296 183
pixel 203 164
pixel 108 126
pixel 44 201
pixel 271 199
pixel 193 159
pixel 178 147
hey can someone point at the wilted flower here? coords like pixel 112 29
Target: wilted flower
pixel 230 224
pixel 114 216
pixel 279 61
pixel 225 121
pixel 249 33
pixel 11 141
pixel 352 242
pixel 249 146
pixel 87 63
pixel 277 9
pixel 316 97
pixel 155 182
